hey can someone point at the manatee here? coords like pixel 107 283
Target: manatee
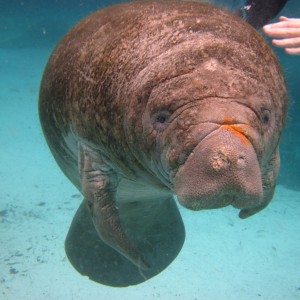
pixel 146 100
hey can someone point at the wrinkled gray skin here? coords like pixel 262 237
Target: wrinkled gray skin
pixel 145 100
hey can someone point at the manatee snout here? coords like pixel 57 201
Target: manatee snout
pixel 222 170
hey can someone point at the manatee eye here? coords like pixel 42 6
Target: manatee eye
pixel 160 119
pixel 266 117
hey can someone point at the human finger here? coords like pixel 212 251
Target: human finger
pixel 282 32
pixel 293 51
pixel 282 18
pixel 290 43
pixel 284 23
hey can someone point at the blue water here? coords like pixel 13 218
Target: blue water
pixel 223 257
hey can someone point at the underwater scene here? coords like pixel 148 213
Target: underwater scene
pixel 102 124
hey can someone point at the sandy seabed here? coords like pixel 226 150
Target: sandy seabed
pixel 223 258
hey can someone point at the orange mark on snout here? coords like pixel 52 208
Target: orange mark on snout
pixel 227 120
pixel 238 132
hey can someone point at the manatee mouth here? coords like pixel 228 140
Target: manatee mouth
pixel 222 170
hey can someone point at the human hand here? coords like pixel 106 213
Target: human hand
pixel 288 30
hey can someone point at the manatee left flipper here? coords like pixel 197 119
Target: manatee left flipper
pixel 99 185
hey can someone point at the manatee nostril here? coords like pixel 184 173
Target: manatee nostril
pixel 241 161
pixel 220 161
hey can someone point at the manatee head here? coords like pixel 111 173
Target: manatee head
pixel 215 105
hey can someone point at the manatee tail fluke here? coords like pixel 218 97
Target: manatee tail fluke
pixel 157 237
